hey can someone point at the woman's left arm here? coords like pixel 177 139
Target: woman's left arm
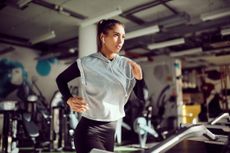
pixel 139 89
pixel 136 70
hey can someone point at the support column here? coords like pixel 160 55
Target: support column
pixel 87 44
pixel 87 40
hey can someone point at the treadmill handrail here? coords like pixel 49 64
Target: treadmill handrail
pixel 222 116
pixel 187 132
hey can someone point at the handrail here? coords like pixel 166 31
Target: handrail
pixel 186 132
pixel 222 116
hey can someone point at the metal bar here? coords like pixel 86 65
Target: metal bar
pixel 223 116
pixel 55 8
pixel 143 7
pixel 129 13
pixel 193 131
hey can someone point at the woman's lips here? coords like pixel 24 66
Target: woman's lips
pixel 118 46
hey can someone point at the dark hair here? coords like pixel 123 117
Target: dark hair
pixel 103 26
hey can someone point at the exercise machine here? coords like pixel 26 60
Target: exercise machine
pixel 9 109
pixel 203 133
pixel 63 123
pixel 184 133
pixel 199 132
pixel 143 126
pixel 34 118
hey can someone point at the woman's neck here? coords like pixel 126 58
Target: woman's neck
pixel 109 56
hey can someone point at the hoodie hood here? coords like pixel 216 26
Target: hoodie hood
pixel 99 55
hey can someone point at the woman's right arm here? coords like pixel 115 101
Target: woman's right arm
pixel 64 77
pixel 77 103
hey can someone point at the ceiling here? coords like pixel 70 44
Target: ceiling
pixel 23 20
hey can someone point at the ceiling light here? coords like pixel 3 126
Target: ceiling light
pixel 186 52
pixel 216 14
pixel 73 50
pixel 225 32
pixel 43 37
pixel 98 18
pixel 166 43
pixel 138 50
pixel 141 59
pixel 142 32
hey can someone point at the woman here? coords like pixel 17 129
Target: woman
pixel 107 80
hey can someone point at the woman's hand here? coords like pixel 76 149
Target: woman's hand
pixel 136 69
pixel 77 104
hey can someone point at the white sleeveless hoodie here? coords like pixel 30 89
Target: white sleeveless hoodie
pixel 106 86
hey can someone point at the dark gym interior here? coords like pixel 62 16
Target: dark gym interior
pixel 182 46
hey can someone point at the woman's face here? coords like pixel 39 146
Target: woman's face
pixel 113 41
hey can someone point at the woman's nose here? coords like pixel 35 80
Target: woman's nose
pixel 121 40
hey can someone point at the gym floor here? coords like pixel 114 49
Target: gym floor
pixel 186 146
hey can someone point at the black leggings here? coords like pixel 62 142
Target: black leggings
pixel 91 134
